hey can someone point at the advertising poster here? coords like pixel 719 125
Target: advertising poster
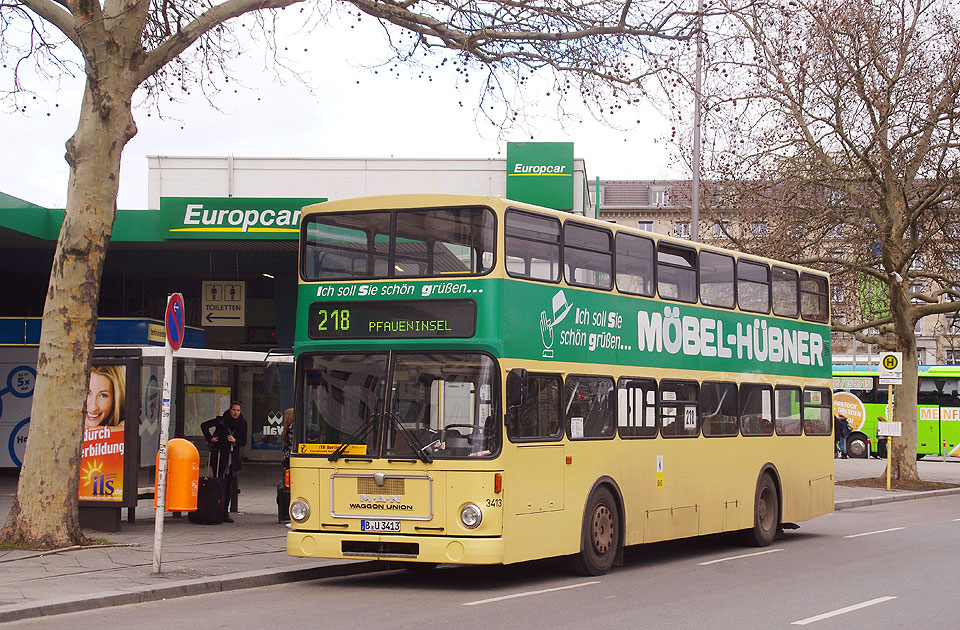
pixel 101 462
pixel 18 375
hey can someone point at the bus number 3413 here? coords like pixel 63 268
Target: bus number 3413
pixel 338 318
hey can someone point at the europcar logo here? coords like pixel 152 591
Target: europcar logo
pixel 537 170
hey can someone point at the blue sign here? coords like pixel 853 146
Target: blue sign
pixel 174 321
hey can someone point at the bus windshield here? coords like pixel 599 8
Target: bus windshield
pixel 440 405
pixel 390 244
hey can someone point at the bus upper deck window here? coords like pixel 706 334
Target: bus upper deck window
pixel 814 305
pixel 786 287
pixel 676 272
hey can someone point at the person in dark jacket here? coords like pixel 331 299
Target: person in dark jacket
pixel 225 436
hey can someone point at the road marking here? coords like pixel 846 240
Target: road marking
pixel 879 531
pixel 954 520
pixel 746 555
pixel 841 611
pixel 529 593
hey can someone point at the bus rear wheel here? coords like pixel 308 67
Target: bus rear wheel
pixel 857 446
pixel 766 514
pixel 600 534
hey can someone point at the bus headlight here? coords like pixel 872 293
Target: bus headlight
pixel 299 510
pixel 470 516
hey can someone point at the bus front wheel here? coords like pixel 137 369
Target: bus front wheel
pixel 600 534
pixel 766 514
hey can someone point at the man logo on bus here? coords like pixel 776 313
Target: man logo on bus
pixel 560 310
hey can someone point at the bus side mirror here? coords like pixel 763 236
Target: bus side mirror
pixel 516 387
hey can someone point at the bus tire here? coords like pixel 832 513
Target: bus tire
pixel 857 446
pixel 600 534
pixel 766 514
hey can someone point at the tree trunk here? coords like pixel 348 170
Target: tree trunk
pixel 45 510
pixel 903 456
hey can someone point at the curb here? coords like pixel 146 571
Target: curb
pixel 199 586
pixel 891 498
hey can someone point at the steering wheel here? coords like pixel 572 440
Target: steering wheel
pixel 475 430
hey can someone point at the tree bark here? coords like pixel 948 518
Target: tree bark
pixel 45 510
pixel 903 455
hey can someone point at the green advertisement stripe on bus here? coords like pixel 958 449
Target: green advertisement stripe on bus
pixel 563 324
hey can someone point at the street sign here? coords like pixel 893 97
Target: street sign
pixel 888 429
pixel 891 368
pixel 223 303
pixel 174 321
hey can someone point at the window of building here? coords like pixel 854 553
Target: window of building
pixel 676 272
pixel 718 408
pixel 588 401
pixel 646 226
pixel 787 406
pixel 817 411
pixel 813 298
pixel 951 357
pixel 587 256
pixel 716 279
pixel 786 285
pixel 720 228
pixel 634 264
pixel 756 409
pixel 637 407
pixel 753 286
pixel 538 418
pixel 658 196
pixel 682 229
pixel 759 228
pixel 532 246
pixel 679 415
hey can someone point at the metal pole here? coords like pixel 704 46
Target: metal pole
pixel 162 456
pixel 698 85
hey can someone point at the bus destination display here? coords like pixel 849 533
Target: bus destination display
pixel 409 319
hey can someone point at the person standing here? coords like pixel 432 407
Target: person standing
pixel 841 431
pixel 225 435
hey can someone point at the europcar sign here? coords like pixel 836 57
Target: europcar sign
pixel 541 173
pixel 246 218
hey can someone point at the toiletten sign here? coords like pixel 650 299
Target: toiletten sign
pixel 541 173
pixel 234 218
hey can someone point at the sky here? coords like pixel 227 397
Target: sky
pixel 351 112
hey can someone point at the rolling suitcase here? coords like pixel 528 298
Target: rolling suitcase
pixel 209 501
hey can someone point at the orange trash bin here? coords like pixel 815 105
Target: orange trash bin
pixel 183 476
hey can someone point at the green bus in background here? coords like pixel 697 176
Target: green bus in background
pixel 860 397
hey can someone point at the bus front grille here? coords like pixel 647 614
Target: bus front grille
pixel 391 485
pixel 379 549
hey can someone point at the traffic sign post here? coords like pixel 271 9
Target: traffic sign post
pixel 891 373
pixel 175 329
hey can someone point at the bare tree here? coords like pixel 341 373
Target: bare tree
pixel 837 122
pixel 598 51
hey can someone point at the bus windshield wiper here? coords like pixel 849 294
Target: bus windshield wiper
pixel 411 439
pixel 372 421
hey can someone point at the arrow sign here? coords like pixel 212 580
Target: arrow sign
pixel 210 317
pixel 174 321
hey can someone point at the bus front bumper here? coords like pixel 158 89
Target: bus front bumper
pixel 440 549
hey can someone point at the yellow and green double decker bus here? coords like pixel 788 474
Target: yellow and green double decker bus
pixel 859 396
pixel 488 382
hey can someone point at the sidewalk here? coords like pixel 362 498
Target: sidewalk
pixel 248 553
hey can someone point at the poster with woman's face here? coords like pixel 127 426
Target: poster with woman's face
pixel 101 463
pixel 106 396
